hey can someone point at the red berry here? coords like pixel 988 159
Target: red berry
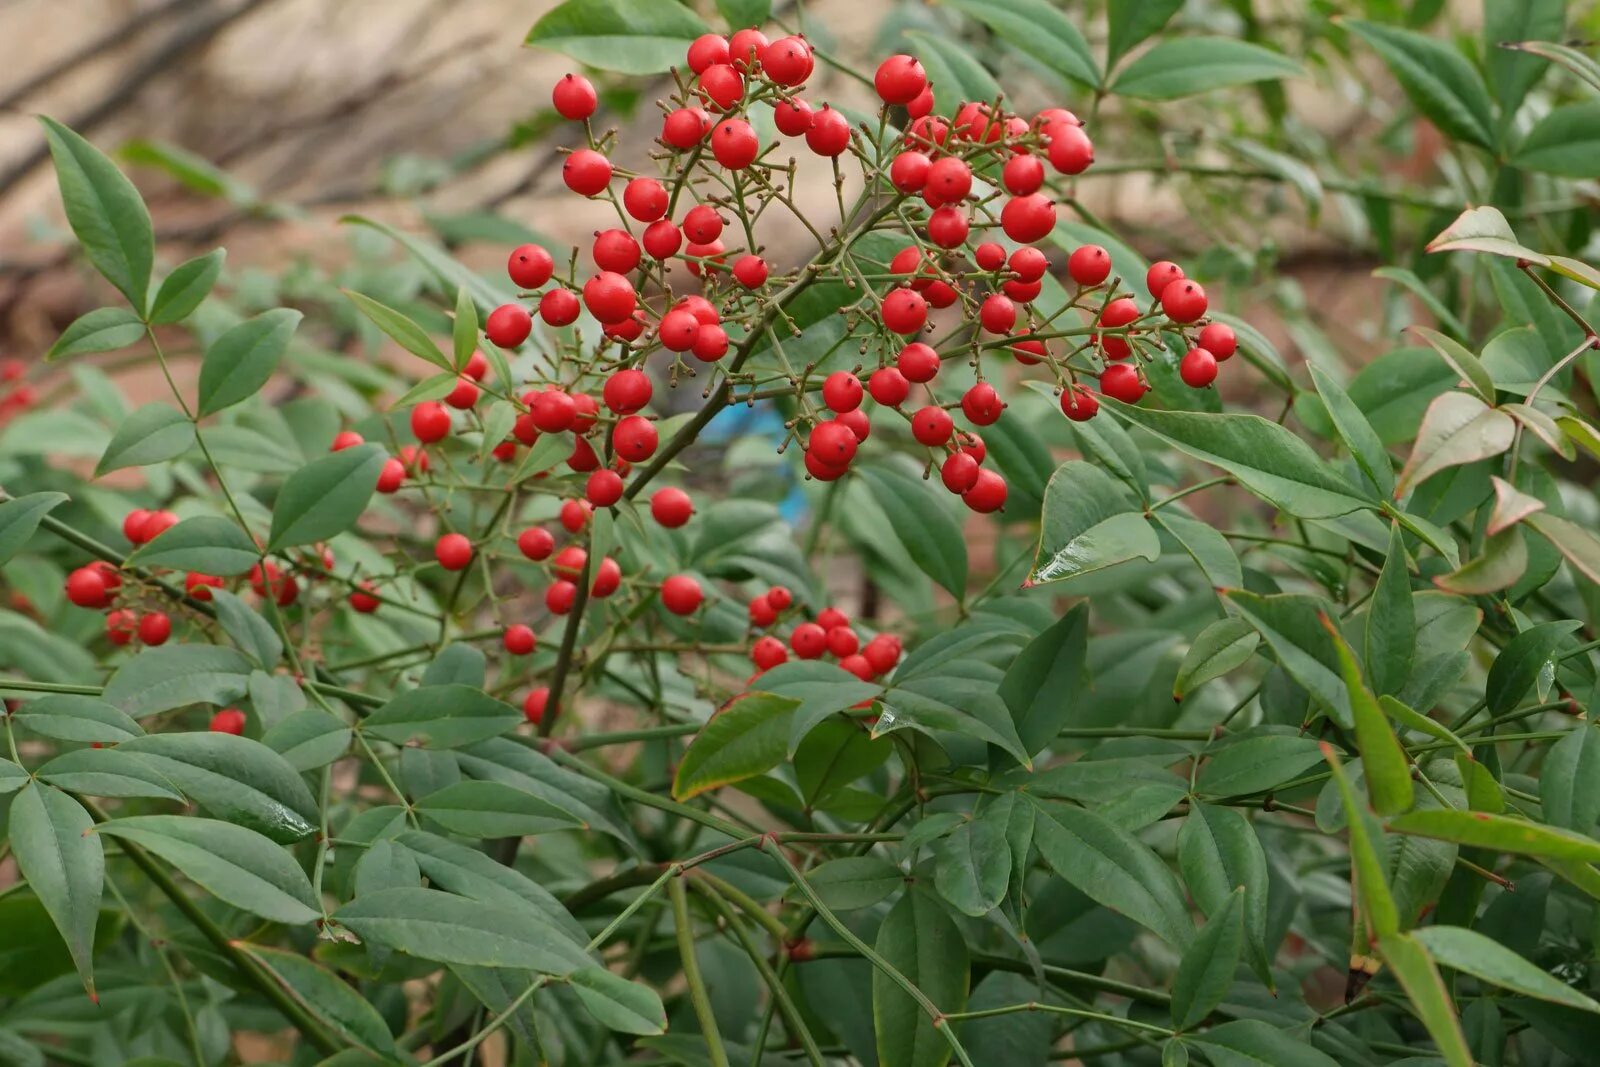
pixel 857 422
pixel 603 488
pixel 750 271
pixel 121 625
pixel 199 586
pixel 780 598
pixel 833 443
pixel 829 134
pixel 554 411
pixel 685 127
pixel 509 325
pixel 681 594
pixel 1029 353
pixel 430 422
pixel 808 640
pixel 787 60
pixel 793 118
pixel 155 524
pixel 972 445
pixel 702 224
pixel 761 613
pixel 1197 368
pixel 949 181
pixel 453 551
pixel 909 172
pixel 464 395
pixel 536 543
pixel 1029 264
pixel 841 391
pixel 1078 404
pixel 959 472
pixel 87 589
pixel 1028 218
pixel 530 266
pixel 711 252
pixel 722 86
pixel 1161 274
pixel 921 105
pixel 228 721
pixel 1119 312
pixel 710 344
pixel 1183 301
pixel 645 199
pixel 899 79
pixel 678 330
pixel 977 122
pixel 607 578
pixel 735 144
pixel 746 46
pixel 858 666
pixel 560 597
pixel 989 256
pixel 1218 339
pixel 702 308
pixel 888 387
pixel 558 307
pixel 627 391
pixel 662 239
pixel 842 641
pixel 1022 175
pixel 634 438
pixel 671 507
pixel 586 172
pixel 768 652
pixel 997 314
pixel 609 297
pixel 534 704
pixel 574 97
pixel 519 640
pixel 707 49
pixel 904 311
pixel 1071 151
pixel 1120 381
pixel 392 476
pixel 932 425
pixel 615 250
pixel 918 362
pixel 575 515
pixel 987 494
pixel 822 470
pixel 882 653
pixel 982 404
pixel 477 366
pixel 948 227
pixel 1089 265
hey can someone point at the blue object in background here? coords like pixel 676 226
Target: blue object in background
pixel 763 421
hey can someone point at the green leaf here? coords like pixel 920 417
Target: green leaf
pixel 1462 361
pixel 1113 867
pixel 243 359
pixel 57 852
pixel 13 778
pixel 974 867
pixel 1209 549
pixel 1483 229
pixel 235 778
pixel 209 544
pixel 1486 959
pixel 83 719
pixel 326 996
pixel 854 882
pixel 442 716
pixel 1418 288
pixel 432 925
pixel 468 872
pixel 1504 560
pixel 618 1004
pixel 1256 764
pixel 746 738
pixel 1437 79
pixel 154 433
pixel 308 739
pixel 1521 662
pixel 1383 759
pixel 1578 62
pixel 920 940
pixel 325 497
pixel 104 211
pixel 1569 782
pixel 173 676
pixel 1088 525
pixel 1038 29
pixel 1357 433
pixel 183 290
pixel 1457 429
pixel 1218 852
pixel 1207 969
pixel 1042 683
pixel 107 772
pixel 1185 66
pixel 232 863
pixel 953 70
pixel 629 36
pixel 492 810
pixel 1501 833
pixel 245 627
pixel 1511 73
pixel 823 689
pixel 1218 649
pixel 1368 872
pixel 742 13
pixel 1564 142
pixel 1580 547
pixel 21 516
pixel 406 333
pixel 1391 632
pixel 449 273
pixel 1128 24
pixel 930 534
pixel 1292 627
pixel 1414 969
pixel 1253 1043
pixel 1268 459
pixel 100 330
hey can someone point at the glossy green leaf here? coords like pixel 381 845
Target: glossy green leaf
pixel 1219 852
pixel 234 864
pixel 154 433
pixel 1219 648
pixel 631 36
pixel 62 859
pixel 1184 66
pixel 1088 524
pixel 1438 80
pixel 325 497
pixel 1521 662
pixel 235 778
pixel 1268 459
pixel 618 1004
pixel 929 532
pixel 108 772
pixel 183 290
pixel 1256 764
pixel 491 810
pixel 1483 229
pixel 1503 562
pixel 1383 759
pixel 1042 683
pixel 21 516
pixel 1463 362
pixel 1487 959
pixel 247 629
pixel 12 777
pixel 468 872
pixel 104 211
pixel 748 737
pixel 83 719
pixel 1208 965
pixel 1569 782
pixel 442 716
pixel 242 360
pixel 1038 29
pixel 432 925
pixel 1113 867
pixel 920 940
pixel 100 330
pixel 172 676
pixel 209 544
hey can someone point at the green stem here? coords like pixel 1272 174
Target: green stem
pixel 698 997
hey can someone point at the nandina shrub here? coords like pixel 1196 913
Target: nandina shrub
pixel 490 722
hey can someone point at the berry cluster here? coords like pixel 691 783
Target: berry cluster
pixel 829 634
pixel 16 395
